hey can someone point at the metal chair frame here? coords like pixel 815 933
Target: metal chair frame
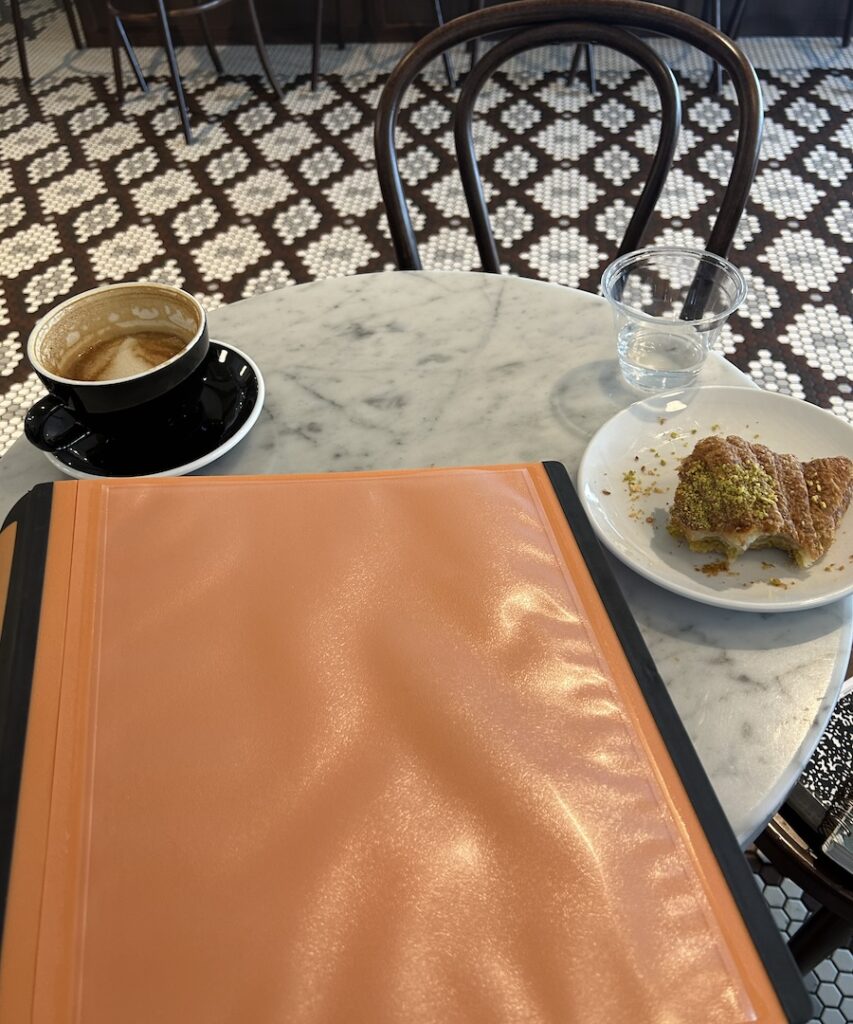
pixel 448 65
pixel 586 21
pixel 18 24
pixel 161 15
pixel 576 56
pixel 318 40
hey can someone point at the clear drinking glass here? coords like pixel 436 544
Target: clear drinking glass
pixel 669 304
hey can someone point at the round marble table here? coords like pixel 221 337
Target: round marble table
pixel 389 371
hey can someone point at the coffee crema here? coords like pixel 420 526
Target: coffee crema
pixel 124 356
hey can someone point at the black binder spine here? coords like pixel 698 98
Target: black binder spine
pixel 778 962
pixel 18 643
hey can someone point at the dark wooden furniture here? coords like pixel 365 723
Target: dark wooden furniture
pixel 532 23
pixel 794 848
pixel 711 12
pixel 389 20
pixel 318 39
pixel 588 52
pixel 161 17
pixel 736 18
pixel 18 24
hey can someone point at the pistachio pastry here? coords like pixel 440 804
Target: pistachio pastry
pixel 733 495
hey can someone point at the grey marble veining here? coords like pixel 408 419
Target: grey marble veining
pixel 397 370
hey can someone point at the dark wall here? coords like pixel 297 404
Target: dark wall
pixel 293 20
pixel 763 17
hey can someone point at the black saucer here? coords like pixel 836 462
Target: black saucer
pixel 183 440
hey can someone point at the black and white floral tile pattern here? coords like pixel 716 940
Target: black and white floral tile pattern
pixel 273 195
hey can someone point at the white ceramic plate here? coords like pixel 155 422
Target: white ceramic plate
pixel 651 437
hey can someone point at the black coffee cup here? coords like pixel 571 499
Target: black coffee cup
pixel 125 320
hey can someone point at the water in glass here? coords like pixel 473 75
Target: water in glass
pixel 659 357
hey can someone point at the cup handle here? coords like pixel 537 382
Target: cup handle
pixel 51 426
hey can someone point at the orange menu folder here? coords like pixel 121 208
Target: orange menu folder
pixel 370 747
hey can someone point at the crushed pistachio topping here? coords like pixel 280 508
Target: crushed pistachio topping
pixel 714 568
pixel 725 497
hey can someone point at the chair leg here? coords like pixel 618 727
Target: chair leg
pixel 590 68
pixel 736 17
pixel 173 67
pixel 474 45
pixel 262 51
pixel 848 24
pixel 340 24
pixel 18 22
pixel 571 74
pixel 211 49
pixel 318 42
pixel 448 67
pixel 114 50
pixel 715 82
pixel 72 23
pixel 818 937
pixel 131 55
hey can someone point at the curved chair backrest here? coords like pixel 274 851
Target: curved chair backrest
pixel 535 23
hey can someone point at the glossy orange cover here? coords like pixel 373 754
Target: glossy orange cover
pixel 350 748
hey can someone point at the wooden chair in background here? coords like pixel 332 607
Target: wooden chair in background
pixel 161 16
pixel 318 39
pixel 529 24
pixel 20 37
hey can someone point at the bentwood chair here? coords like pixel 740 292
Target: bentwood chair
pixel 528 24
pixel 20 36
pixel 440 20
pixel 580 51
pixel 318 40
pixel 160 16
pixel 712 13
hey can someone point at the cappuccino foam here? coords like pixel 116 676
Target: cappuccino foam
pixel 125 356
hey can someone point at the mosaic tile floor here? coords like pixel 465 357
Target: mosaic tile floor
pixel 273 195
